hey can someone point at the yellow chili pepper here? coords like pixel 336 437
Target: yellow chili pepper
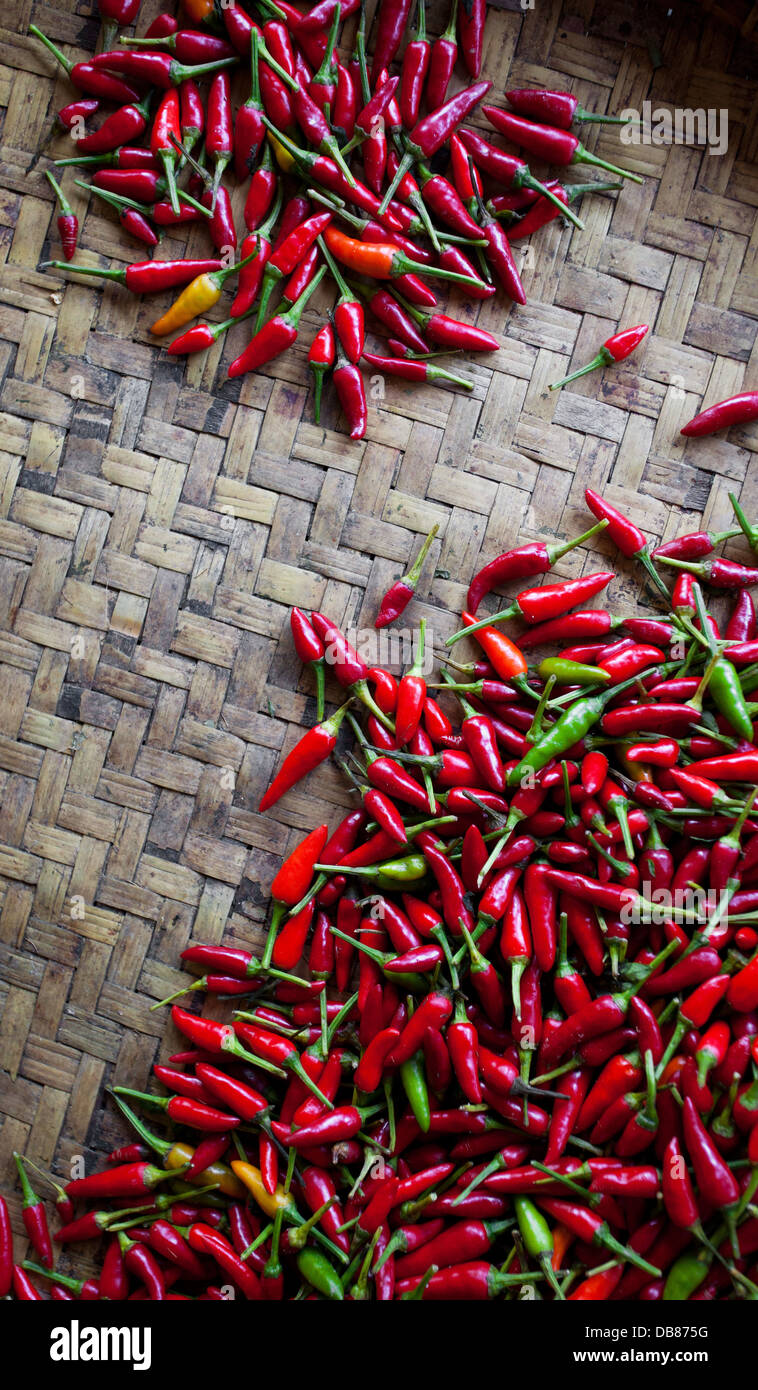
pixel 283 158
pixel 251 1177
pixel 179 1156
pixel 197 297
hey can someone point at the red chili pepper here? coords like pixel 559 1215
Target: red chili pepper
pixel 544 210
pixel 550 143
pixel 628 537
pixel 351 392
pixel 720 574
pixel 23 1287
pixel 322 87
pixel 321 359
pixel 430 133
pixel 126 1180
pixel 694 545
pixel 276 335
pixel 34 1217
pixel 89 77
pixel 535 558
pixel 77 111
pixel 615 349
pixel 471 17
pixel 511 172
pixel 158 69
pixel 415 64
pixel 206 1241
pixel 736 410
pixel 450 333
pixel 150 277
pixel 554 108
pixel 393 17
pixel 122 127
pixel 67 222
pixel 442 62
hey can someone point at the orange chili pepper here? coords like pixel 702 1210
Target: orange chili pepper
pixel 381 260
pixel 503 654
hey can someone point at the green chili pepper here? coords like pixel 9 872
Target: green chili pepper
pixel 566 731
pixel 389 874
pixel 572 672
pixel 685 1276
pixel 726 691
pixel 317 1270
pixel 413 1078
pixel 537 1237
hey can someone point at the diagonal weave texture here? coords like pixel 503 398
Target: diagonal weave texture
pixel 156 523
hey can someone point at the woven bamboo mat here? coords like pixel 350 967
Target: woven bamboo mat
pixel 156 523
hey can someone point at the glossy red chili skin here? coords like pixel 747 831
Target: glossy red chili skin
pixel 737 410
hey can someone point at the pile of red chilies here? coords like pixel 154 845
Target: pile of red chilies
pixel 383 233
pixel 502 1037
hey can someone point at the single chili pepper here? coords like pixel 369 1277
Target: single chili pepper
pixel 628 537
pixel 415 64
pixel 23 1287
pixel 720 574
pixel 694 545
pixel 715 1181
pixel 554 108
pixel 76 112
pixel 166 134
pixel 399 595
pixel 615 349
pixel 550 143
pixel 126 1180
pixel 377 260
pixel 351 392
pixel 219 139
pixel 150 277
pixel 430 133
pixel 114 1280
pixel 310 650
pixel 393 18
pixel 67 222
pixel 345 105
pixel 537 1238
pixel 34 1217
pixel 89 77
pixel 321 359
pixel 323 85
pixel 442 62
pixel 122 127
pixel 188 45
pixel 504 655
pixel 588 1226
pixel 736 410
pixel 158 69
pixel 131 216
pixel 472 1280
pixel 316 1270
